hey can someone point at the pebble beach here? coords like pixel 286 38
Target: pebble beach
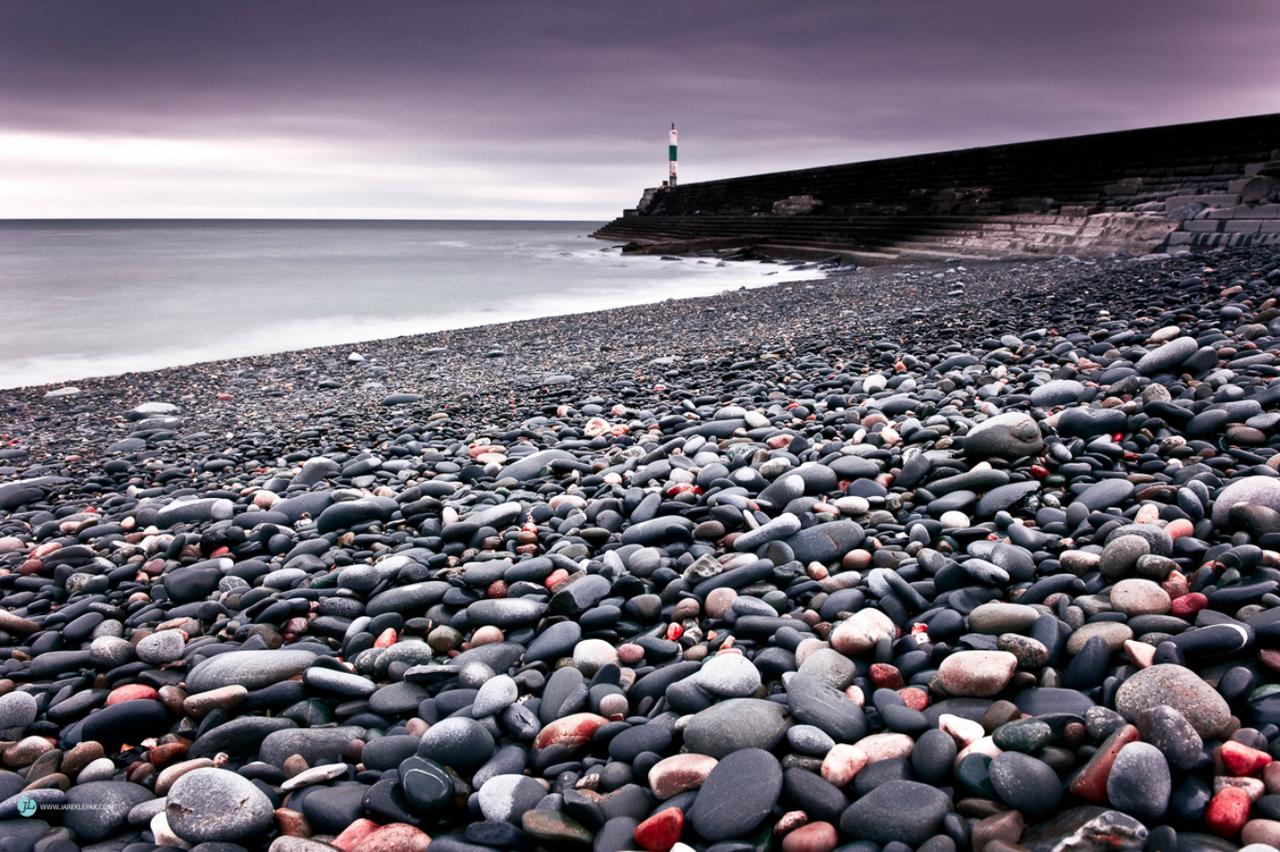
pixel 944 557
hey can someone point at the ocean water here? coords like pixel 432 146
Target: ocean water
pixel 97 298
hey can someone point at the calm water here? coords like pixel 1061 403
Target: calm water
pixel 101 298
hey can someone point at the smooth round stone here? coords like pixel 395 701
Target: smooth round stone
pixel 1010 436
pixel 999 617
pixel 1121 555
pixel 829 666
pixel 110 651
pixel 505 612
pixel 725 807
pixel 554 642
pixel 496 694
pixel 505 798
pixel 1164 358
pixel 1031 653
pixel 1025 783
pixel 1104 494
pixel 358 578
pixel 1025 735
pixel 814 702
pixel 250 669
pixel 161 647
pixel 1057 392
pixel 591 655
pixel 904 811
pixel 1180 688
pixel 809 740
pixel 1248 491
pixel 634 741
pixel 218 806
pixel 933 756
pixel 348 684
pixel 861 631
pixel 977 673
pixel 17 710
pixel 98 809
pixel 825 542
pixel 1139 597
pixel 1114 633
pixel 736 724
pixel 458 742
pixel 1139 783
pixel 316 745
pixel 332 808
pixel 127 722
pixel 1170 732
pixel 352 513
pixel 426 784
pixel 729 676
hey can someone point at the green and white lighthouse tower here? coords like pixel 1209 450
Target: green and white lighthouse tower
pixel 671 157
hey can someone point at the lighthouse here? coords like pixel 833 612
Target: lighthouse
pixel 671 157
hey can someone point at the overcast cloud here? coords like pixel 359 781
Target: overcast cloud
pixel 559 108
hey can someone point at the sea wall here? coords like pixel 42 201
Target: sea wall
pixel 1197 185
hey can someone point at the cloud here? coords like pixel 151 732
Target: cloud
pixel 418 108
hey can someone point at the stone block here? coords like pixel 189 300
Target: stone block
pixel 1201 226
pixel 1242 226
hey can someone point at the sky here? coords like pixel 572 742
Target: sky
pixel 559 109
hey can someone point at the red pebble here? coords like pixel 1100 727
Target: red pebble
pixel 885 676
pixel 914 697
pixel 1188 605
pixel 354 833
pixel 497 589
pixel 386 638
pixel 555 577
pixel 814 837
pixel 661 831
pixel 572 731
pixel 1039 471
pixel 132 692
pixel 225 397
pixel 1239 759
pixel 674 632
pixel 395 837
pixel 1228 811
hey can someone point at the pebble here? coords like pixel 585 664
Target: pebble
pixel 96 810
pixel 901 811
pixel 250 669
pixel 1179 688
pixel 807 590
pixel 17 711
pixel 1025 783
pixel 1139 597
pixel 1140 783
pixel 725 807
pixel 505 798
pixel 216 806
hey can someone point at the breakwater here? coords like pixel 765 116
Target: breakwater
pixel 1186 186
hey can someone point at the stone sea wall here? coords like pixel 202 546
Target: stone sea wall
pixel 1180 187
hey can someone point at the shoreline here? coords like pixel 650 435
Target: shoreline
pixel 448 366
pixel 398 281
pixel 931 553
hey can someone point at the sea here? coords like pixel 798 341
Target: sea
pixel 106 297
